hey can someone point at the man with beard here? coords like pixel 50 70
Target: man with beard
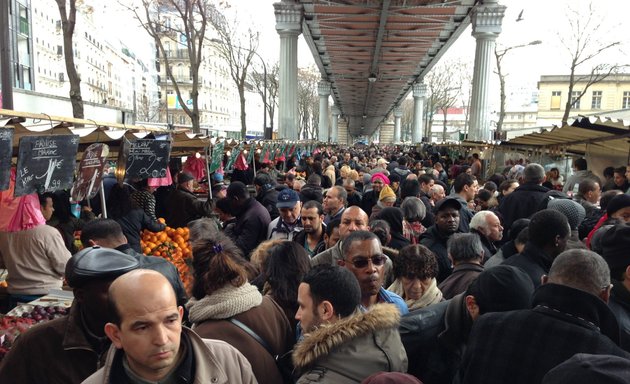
pixel 341 343
pixel 488 226
pixel 437 235
pixel 363 256
pixel 312 236
pixel 252 219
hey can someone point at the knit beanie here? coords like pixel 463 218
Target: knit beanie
pixel 381 176
pixel 618 202
pixel 587 368
pixel 574 211
pixel 502 288
pixel 615 242
pixel 387 192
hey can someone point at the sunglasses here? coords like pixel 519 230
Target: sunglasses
pixel 362 262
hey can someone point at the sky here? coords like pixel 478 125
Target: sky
pixel 544 20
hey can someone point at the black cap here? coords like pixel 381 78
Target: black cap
pixel 448 202
pixel 502 288
pixel 615 243
pixel 618 202
pixel 98 263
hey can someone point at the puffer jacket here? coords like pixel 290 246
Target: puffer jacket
pixel 353 348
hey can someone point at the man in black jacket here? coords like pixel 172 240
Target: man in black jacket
pixel 526 199
pixel 252 218
pixel 266 194
pixel 616 242
pixel 436 237
pixel 569 316
pixel 548 235
pixel 183 206
pixel 435 336
pixel 107 233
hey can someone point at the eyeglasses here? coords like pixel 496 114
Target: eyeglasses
pixel 362 262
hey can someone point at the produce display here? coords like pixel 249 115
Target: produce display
pixel 171 244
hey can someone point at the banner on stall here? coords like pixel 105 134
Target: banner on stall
pixel 6 149
pixel 90 172
pixel 45 163
pixel 235 152
pixel 217 156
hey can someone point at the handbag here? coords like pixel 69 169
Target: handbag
pixel 283 362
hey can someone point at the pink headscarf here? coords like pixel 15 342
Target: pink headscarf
pixel 19 213
pixel 381 176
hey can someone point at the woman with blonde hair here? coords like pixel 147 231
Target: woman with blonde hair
pixel 223 301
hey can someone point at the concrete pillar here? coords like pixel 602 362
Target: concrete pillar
pixel 397 124
pixel 334 129
pixel 486 26
pixel 289 27
pixel 323 89
pixel 419 92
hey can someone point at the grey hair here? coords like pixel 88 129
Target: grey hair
pixel 434 189
pixel 343 195
pixel 413 209
pixel 203 229
pixel 480 220
pixel 348 182
pixel 464 247
pixel 580 269
pixel 534 173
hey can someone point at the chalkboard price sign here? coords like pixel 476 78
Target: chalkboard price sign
pixel 148 158
pixel 90 172
pixel 6 148
pixel 45 163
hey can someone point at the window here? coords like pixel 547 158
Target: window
pixel 575 99
pixel 626 100
pixel 596 103
pixel 555 99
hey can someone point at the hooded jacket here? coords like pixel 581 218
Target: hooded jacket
pixel 353 348
pixel 394 217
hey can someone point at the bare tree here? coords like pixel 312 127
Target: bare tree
pixel 182 22
pixel 444 85
pixel 586 41
pixel 68 13
pixel 147 109
pixel 406 121
pixel 257 79
pixel 238 51
pixel 308 103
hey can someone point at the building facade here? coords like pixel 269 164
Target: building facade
pixel 613 93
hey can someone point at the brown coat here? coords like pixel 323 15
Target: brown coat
pixel 269 322
pixel 54 352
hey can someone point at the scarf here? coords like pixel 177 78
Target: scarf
pixel 431 296
pixel 224 303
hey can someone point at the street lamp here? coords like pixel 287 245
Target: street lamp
pixel 499 57
pixel 217 41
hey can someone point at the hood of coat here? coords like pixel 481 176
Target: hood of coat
pixel 326 338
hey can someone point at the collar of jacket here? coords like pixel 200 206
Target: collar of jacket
pixel 185 371
pixel 457 323
pixel 537 255
pixel 74 336
pixel 509 249
pixel 435 232
pixel 185 191
pixel 323 340
pixel 287 228
pixel 532 187
pixel 621 294
pixel 485 242
pixel 577 307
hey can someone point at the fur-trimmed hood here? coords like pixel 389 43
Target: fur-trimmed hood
pixel 322 341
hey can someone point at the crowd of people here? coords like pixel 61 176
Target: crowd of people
pixel 366 265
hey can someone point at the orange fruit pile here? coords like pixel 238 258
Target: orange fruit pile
pixel 171 244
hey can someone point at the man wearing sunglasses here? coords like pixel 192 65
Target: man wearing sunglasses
pixel 363 256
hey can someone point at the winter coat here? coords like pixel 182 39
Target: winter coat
pixel 619 304
pixel 268 197
pixel 522 346
pixel 436 242
pixel 184 207
pixel 352 348
pixel 506 251
pixel 575 179
pixel 300 238
pixel 251 226
pixel 522 203
pixel 214 362
pixel 368 201
pixel 269 322
pixel 394 217
pixel 463 274
pixel 465 214
pixel 55 351
pixel 435 339
pixel 132 225
pixel 533 261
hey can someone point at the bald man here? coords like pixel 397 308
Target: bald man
pixel 150 344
